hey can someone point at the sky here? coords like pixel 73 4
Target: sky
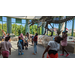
pixel 69 23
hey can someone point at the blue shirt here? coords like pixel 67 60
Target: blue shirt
pixel 20 41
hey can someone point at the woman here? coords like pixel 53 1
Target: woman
pixel 27 35
pixel 5 48
pixel 53 47
pixel 64 43
pixel 21 35
pixel 26 42
pixel 35 44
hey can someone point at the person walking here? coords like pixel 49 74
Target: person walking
pixel 5 48
pixel 26 42
pixel 21 37
pixel 19 45
pixel 52 48
pixel 64 43
pixel 35 43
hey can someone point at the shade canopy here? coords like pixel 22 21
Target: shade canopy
pixel 26 17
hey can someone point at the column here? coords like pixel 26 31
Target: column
pixel 32 29
pixel 2 23
pixel 9 26
pixel 47 30
pixel 65 24
pixel 59 23
pixel 53 28
pixel 72 26
pixel 26 26
pixel 42 28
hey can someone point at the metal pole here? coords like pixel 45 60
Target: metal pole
pixel 2 22
pixel 65 24
pixel 72 26
pixel 59 23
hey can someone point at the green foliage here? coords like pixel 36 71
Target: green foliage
pixel 17 29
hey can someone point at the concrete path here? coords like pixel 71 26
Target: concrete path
pixel 28 53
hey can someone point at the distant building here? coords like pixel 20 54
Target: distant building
pixel 70 31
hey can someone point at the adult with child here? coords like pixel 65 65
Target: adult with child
pixel 35 43
pixel 64 43
pixel 21 36
pixel 19 45
pixel 5 47
pixel 52 48
pixel 26 42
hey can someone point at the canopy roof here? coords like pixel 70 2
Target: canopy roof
pixel 26 17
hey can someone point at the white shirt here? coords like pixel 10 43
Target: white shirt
pixel 54 45
pixel 5 46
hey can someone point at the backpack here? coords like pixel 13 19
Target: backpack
pixel 19 44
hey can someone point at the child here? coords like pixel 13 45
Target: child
pixel 5 48
pixel 19 45
pixel 52 48
pixel 26 42
pixel 32 39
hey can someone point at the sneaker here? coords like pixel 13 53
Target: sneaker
pixel 61 54
pixel 18 53
pixel 22 53
pixel 67 55
pixel 33 54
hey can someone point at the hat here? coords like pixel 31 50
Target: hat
pixel 63 31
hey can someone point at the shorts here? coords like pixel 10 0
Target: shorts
pixel 5 54
pixel 26 44
pixel 52 55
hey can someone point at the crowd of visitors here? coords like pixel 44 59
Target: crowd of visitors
pixel 52 48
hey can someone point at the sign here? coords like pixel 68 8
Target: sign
pixel 0 18
pixel 18 20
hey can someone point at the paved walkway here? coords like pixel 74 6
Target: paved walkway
pixel 28 53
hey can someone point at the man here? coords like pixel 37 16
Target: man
pixel 35 43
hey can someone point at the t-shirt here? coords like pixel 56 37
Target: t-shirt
pixel 54 45
pixel 35 39
pixel 26 39
pixel 5 45
pixel 32 37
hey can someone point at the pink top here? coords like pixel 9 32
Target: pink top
pixel 5 46
pixel 21 35
pixel 64 42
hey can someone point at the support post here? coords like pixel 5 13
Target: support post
pixel 72 26
pixel 47 30
pixel 53 28
pixel 32 29
pixel 42 28
pixel 2 23
pixel 9 26
pixel 26 26
pixel 59 23
pixel 65 24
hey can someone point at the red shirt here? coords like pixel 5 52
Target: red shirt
pixel 35 39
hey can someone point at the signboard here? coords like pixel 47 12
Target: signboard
pixel 18 20
pixel 0 18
